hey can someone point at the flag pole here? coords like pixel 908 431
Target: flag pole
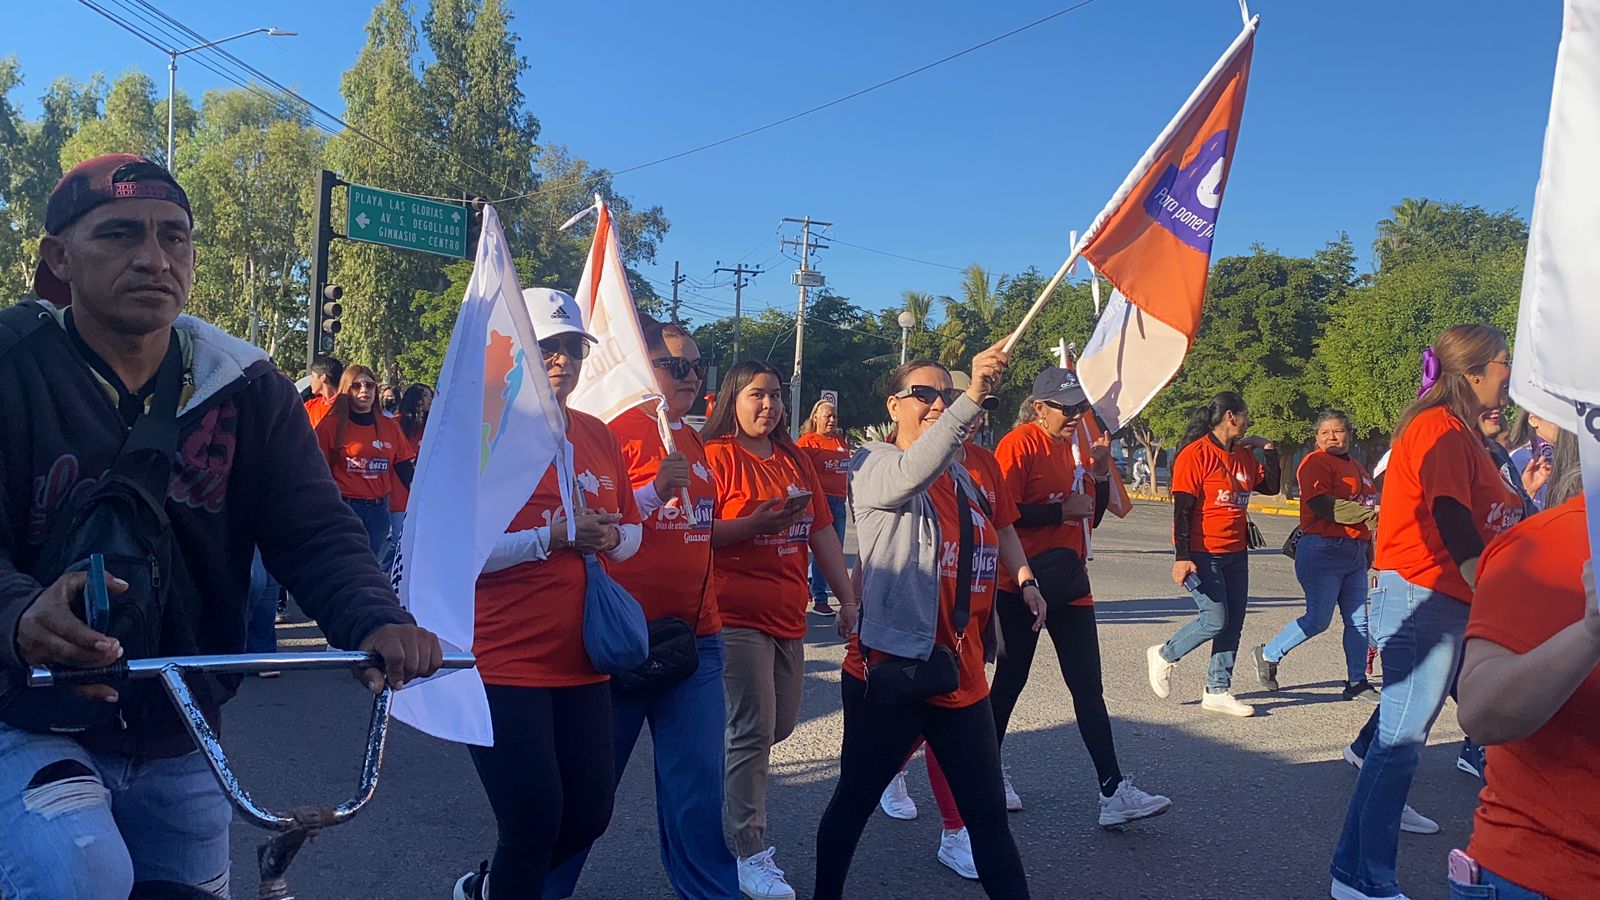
pixel 664 425
pixel 1136 175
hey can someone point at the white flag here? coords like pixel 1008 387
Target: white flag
pixel 1553 374
pixel 618 375
pixel 492 434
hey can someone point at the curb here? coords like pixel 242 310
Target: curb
pixel 1254 507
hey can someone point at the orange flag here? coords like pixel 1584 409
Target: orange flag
pixel 1153 243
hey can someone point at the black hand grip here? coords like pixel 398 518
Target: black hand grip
pixel 117 671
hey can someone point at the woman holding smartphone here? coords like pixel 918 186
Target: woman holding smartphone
pixel 771 512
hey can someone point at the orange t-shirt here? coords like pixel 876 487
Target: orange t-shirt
pixel 363 467
pixel 1436 457
pixel 317 407
pixel 974 685
pixel 400 497
pixel 1327 474
pixel 1538 819
pixel 1221 481
pixel 762 583
pixel 985 470
pixel 831 458
pixel 1040 469
pixel 528 628
pixel 670 575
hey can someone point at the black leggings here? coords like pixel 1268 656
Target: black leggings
pixel 1073 631
pixel 877 740
pixel 549 777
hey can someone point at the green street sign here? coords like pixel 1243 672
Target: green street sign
pixel 406 222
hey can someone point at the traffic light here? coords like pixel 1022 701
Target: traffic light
pixel 328 313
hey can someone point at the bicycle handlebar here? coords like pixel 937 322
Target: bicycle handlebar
pixel 236 663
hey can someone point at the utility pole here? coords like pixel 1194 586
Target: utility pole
pixel 740 282
pixel 677 279
pixel 806 278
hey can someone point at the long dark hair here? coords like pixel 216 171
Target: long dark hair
pixel 340 411
pixel 412 416
pixel 1206 418
pixel 1566 471
pixel 1461 350
pixel 724 420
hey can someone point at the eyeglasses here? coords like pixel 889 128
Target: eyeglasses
pixel 572 346
pixel 1076 409
pixel 1503 362
pixel 926 394
pixel 679 367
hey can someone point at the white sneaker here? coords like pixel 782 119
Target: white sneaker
pixel 1410 820
pixel 1013 801
pixel 1226 704
pixel 955 851
pixel 1129 804
pixel 1160 672
pixel 761 879
pixel 1342 891
pixel 896 801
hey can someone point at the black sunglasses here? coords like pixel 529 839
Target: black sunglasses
pixel 926 394
pixel 573 346
pixel 679 368
pixel 1076 409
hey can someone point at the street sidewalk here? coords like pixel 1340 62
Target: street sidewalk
pixel 1270 506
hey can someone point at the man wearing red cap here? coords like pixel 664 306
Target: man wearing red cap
pixel 92 372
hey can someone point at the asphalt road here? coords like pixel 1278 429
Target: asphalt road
pixel 1257 802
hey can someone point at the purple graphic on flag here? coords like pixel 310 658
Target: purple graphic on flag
pixel 1185 201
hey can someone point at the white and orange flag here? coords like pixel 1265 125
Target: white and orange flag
pixel 1152 242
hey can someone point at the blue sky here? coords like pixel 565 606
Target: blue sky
pixel 993 157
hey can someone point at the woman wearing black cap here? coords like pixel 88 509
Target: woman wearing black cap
pixel 1060 480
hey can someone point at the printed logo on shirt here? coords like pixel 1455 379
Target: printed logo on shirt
pixel 700 471
pixel 368 467
pixel 985 563
pixel 1233 499
pixel 1502 517
pixel 676 518
pixel 382 445
pixel 589 483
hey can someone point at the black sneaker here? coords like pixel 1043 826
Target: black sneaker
pixel 1266 671
pixel 821 607
pixel 470 885
pixel 282 617
pixel 1361 690
pixel 1471 759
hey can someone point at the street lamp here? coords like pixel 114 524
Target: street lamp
pixel 172 77
pixel 907 322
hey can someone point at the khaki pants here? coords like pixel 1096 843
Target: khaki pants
pixel 764 677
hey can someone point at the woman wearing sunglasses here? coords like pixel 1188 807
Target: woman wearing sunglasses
pixel 1060 481
pixel 362 446
pixel 1212 478
pixel 550 775
pixel 823 441
pixel 930 549
pixel 770 513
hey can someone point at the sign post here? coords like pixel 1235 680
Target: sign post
pixel 406 222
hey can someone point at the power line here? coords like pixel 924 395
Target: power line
pixel 831 103
pixel 895 255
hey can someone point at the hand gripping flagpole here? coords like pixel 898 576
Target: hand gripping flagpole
pixel 1129 183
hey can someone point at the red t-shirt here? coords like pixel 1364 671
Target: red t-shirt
pixel 1221 482
pixel 400 497
pixel 1039 469
pixel 1327 474
pixel 1538 819
pixel 529 621
pixel 831 457
pixel 1437 456
pixel 762 583
pixel 671 573
pixel 974 685
pixel 363 465
pixel 317 407
pixel 985 470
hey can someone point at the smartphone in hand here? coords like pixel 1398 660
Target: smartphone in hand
pixel 797 502
pixel 96 601
pixel 1191 582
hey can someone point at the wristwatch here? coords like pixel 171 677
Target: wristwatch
pixel 1029 583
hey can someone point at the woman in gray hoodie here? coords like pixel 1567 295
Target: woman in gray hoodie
pixel 910 498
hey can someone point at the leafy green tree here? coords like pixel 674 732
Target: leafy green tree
pixel 1421 230
pixel 132 121
pixel 33 166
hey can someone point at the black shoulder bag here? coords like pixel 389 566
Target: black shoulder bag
pixel 674 649
pixel 901 679
pixel 122 516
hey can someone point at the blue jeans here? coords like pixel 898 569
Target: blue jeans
pixel 687 722
pixel 1492 887
pixel 391 547
pixel 374 516
pixel 819 585
pixel 1333 572
pixel 261 615
pixel 1419 634
pixel 1222 599
pixel 84 825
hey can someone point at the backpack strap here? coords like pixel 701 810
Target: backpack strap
pixel 19 321
pixel 147 454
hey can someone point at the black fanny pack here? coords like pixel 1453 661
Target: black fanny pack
pixel 122 517
pixel 674 651
pixel 901 679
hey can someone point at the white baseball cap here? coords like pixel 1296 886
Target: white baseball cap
pixel 554 313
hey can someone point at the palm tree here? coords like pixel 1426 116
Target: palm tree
pixel 980 298
pixel 1407 223
pixel 919 304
